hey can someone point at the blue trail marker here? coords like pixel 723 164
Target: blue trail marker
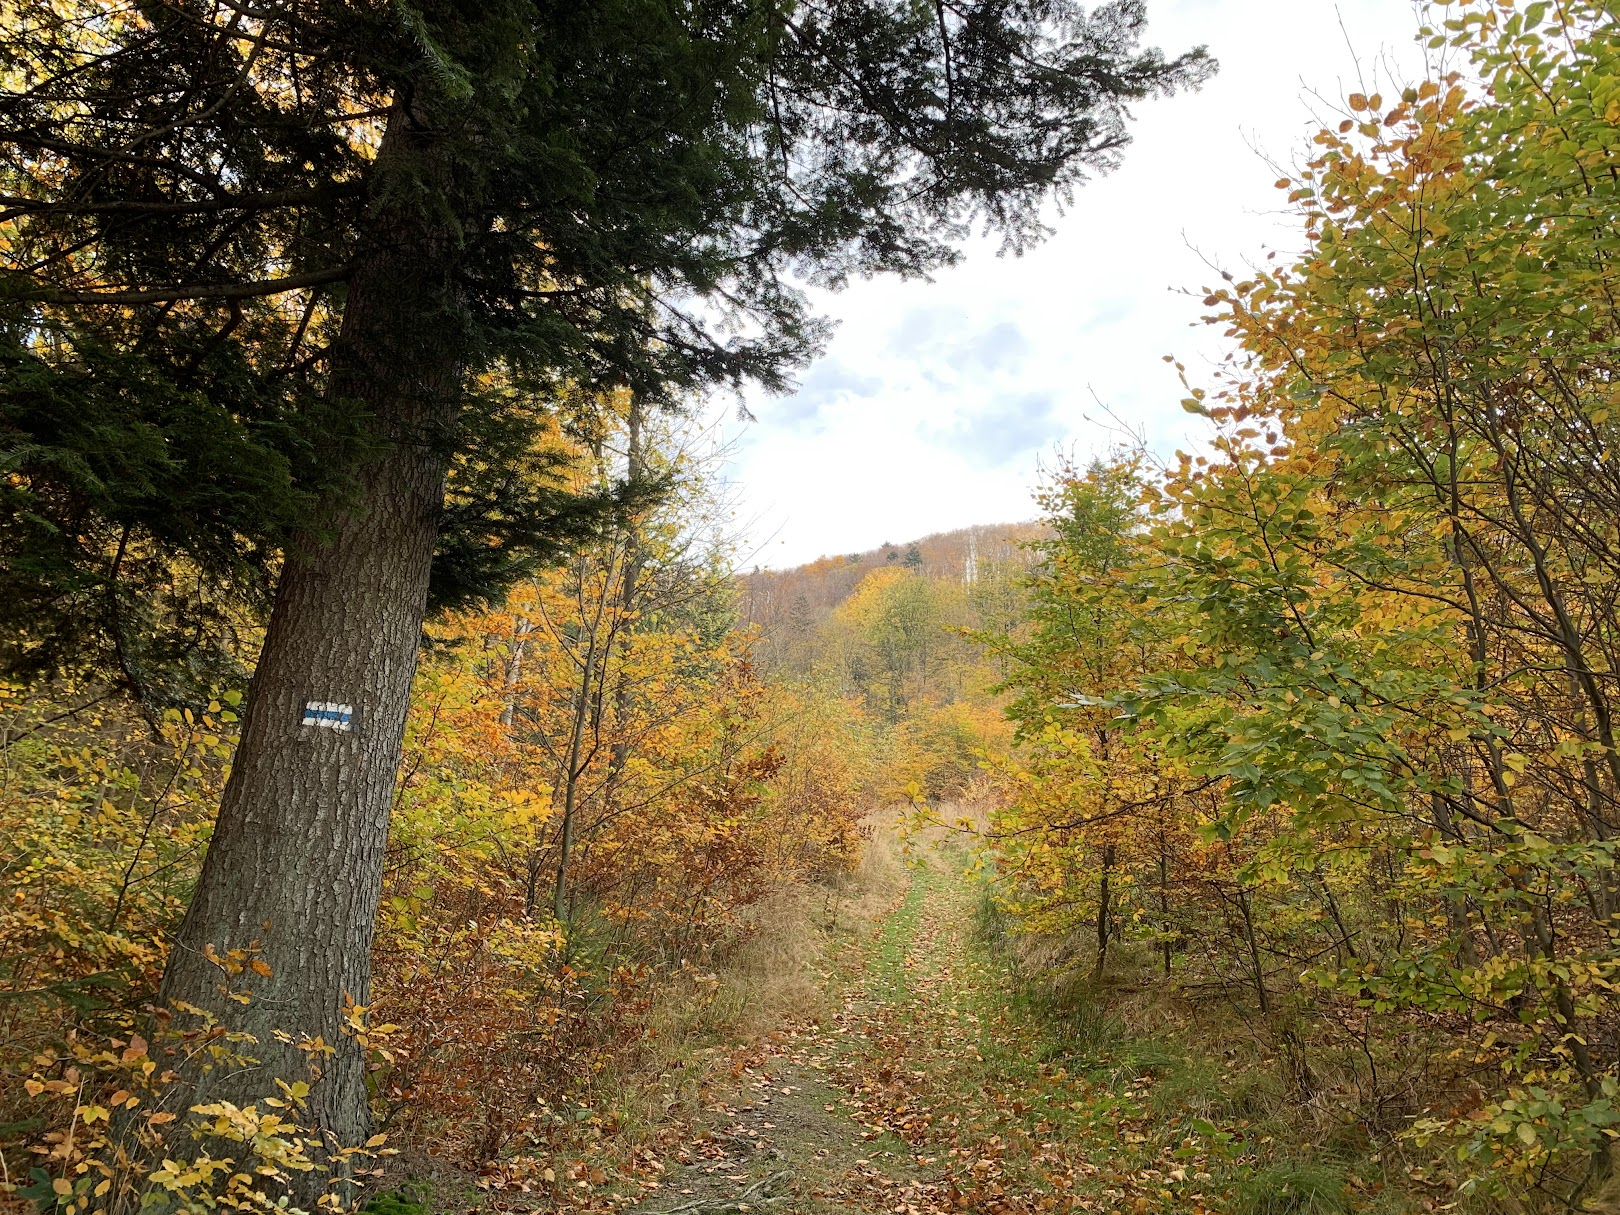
pixel 325 715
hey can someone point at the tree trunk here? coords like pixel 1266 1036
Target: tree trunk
pixel 1254 952
pixel 576 740
pixel 634 558
pixel 1104 910
pixel 521 628
pixel 294 869
pixel 1165 944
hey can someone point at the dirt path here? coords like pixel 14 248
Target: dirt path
pixel 792 1148
pixel 927 1092
pixel 795 1141
pixel 925 1082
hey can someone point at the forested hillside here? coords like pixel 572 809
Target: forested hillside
pixel 411 807
pixel 788 606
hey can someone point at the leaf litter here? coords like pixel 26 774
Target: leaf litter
pixel 930 1092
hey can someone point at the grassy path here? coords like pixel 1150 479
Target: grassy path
pixel 935 1089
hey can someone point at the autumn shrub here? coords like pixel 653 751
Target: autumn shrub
pixel 116 1136
pixel 950 752
pixel 105 813
pixel 831 766
pixel 1323 714
pixel 496 1032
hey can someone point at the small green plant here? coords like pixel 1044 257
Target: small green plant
pixel 396 1202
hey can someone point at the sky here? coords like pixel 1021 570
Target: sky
pixel 936 404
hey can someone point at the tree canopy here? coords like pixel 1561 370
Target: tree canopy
pixel 623 194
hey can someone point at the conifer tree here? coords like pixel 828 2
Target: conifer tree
pixel 287 284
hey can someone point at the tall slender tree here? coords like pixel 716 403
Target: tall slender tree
pixel 278 272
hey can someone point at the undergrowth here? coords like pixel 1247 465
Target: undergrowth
pixel 1198 1080
pixel 695 1032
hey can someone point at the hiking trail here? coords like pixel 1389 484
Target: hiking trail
pixel 930 1089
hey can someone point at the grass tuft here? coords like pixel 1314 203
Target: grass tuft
pixel 1202 1087
pixel 1292 1187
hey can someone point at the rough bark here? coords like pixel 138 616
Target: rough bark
pixel 294 869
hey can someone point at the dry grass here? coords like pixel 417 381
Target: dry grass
pixel 704 1024
pixel 869 892
pixel 701 1021
pixel 775 970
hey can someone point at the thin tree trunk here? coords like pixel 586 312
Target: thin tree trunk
pixel 294 869
pixel 1344 945
pixel 1164 905
pixel 634 559
pixel 565 851
pixel 521 628
pixel 1456 903
pixel 1104 908
pixel 1254 952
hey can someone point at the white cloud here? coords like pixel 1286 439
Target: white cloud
pixel 828 381
pixel 935 401
pixel 1002 431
